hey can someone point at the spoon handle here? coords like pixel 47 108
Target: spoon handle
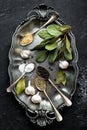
pixel 66 99
pixel 10 88
pixel 52 19
pixel 57 114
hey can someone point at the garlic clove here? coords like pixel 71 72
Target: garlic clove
pixel 36 98
pixel 21 67
pixel 63 64
pixel 30 90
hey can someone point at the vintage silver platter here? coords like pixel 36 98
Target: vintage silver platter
pixel 42 113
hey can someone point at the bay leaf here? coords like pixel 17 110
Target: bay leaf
pixel 61 78
pixel 52 56
pixel 65 28
pixel 20 86
pixel 67 43
pixel 68 49
pixel 51 46
pixel 44 34
pixel 42 55
pixel 53 30
pixel 67 55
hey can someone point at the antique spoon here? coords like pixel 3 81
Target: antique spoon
pixel 27 69
pixel 45 74
pixel 28 38
pixel 40 84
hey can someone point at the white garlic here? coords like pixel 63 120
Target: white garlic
pixel 30 90
pixel 30 67
pixel 21 67
pixel 63 64
pixel 36 98
pixel 25 54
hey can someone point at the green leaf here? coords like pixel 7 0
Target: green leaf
pixel 51 46
pixel 20 86
pixel 61 77
pixel 65 28
pixel 67 43
pixel 53 56
pixel 44 34
pixel 42 55
pixel 67 55
pixel 68 50
pixel 53 30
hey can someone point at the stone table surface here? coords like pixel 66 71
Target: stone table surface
pixel 74 13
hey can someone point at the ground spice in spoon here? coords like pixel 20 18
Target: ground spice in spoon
pixel 27 39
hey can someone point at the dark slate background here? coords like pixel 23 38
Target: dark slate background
pixel 74 13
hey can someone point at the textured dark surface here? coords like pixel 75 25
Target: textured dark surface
pixel 12 12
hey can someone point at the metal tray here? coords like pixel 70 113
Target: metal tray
pixel 41 114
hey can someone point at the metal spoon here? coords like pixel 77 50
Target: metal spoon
pixel 26 70
pixel 45 74
pixel 30 36
pixel 41 85
pixel 52 19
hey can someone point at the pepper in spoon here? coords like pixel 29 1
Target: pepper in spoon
pixel 41 71
pixel 40 84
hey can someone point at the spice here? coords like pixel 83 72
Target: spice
pixel 27 39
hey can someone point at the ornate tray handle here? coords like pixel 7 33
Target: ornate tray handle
pixel 41 117
pixel 42 12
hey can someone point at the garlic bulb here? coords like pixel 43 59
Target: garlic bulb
pixel 63 64
pixel 25 54
pixel 29 90
pixel 36 98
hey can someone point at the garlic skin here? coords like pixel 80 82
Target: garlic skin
pixel 36 98
pixel 29 90
pixel 63 64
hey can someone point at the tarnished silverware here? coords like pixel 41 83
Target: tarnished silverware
pixel 40 83
pixel 45 74
pixel 28 37
pixel 10 88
